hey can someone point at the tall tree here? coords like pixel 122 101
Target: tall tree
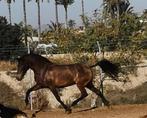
pixel 71 23
pixel 9 8
pixel 39 21
pixel 56 14
pixel 25 20
pixel 83 12
pixel 116 7
pixel 9 34
pixel 65 3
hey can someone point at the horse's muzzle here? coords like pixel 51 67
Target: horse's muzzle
pixel 18 77
pixel 14 75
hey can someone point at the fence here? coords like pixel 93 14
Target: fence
pixel 11 52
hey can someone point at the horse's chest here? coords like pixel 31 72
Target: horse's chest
pixel 41 79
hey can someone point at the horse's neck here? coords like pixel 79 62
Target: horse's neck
pixel 38 65
pixel 39 68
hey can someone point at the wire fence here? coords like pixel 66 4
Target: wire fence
pixel 12 52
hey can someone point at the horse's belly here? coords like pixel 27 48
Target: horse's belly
pixel 60 82
pixel 61 76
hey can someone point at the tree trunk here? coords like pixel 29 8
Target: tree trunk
pixel 39 23
pixel 9 8
pixel 104 14
pixel 25 20
pixel 56 10
pixel 83 12
pixel 118 15
pixel 66 18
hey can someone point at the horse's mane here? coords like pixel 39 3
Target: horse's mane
pixel 37 57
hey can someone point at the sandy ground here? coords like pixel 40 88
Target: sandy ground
pixel 122 111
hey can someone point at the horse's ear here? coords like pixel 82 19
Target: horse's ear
pixel 31 51
pixel 18 58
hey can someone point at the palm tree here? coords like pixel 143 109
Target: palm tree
pixel 109 7
pixel 53 27
pixel 65 3
pixel 25 20
pixel 116 7
pixel 71 23
pixel 83 12
pixel 9 8
pixel 39 21
pixel 56 12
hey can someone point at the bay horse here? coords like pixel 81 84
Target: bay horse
pixel 50 75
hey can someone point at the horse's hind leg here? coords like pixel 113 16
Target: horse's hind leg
pixel 83 95
pixel 91 87
pixel 55 93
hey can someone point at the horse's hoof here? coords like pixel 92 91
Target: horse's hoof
pixel 69 111
pixel 26 101
pixel 109 106
pixel 107 103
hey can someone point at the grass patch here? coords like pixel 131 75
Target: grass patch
pixel 7 65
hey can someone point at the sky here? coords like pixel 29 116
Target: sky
pixel 48 10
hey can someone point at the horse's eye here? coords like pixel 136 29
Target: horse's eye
pixel 18 58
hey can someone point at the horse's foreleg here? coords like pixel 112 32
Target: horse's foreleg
pixel 34 88
pixel 91 87
pixel 55 93
pixel 83 95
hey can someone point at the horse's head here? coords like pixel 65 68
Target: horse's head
pixel 22 68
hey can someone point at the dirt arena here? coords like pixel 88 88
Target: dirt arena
pixel 122 111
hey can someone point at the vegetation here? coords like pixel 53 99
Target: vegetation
pixel 11 39
pixel 9 8
pixel 121 33
pixel 65 3
pixel 117 28
pixel 9 34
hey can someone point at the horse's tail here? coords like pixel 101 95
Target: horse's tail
pixel 111 69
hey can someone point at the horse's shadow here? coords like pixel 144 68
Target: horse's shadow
pixel 9 112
